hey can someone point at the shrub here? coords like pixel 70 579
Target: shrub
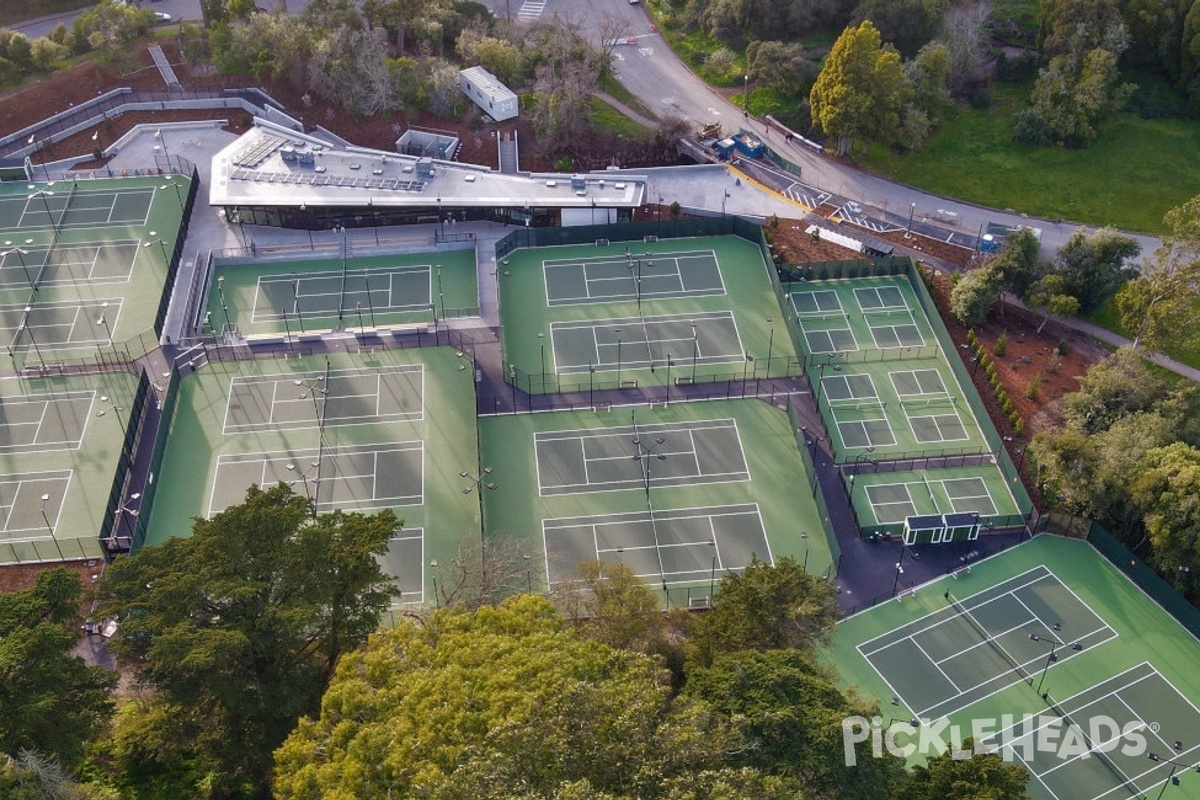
pixel 972 339
pixel 1034 388
pixel 1001 345
pixel 1029 127
pixel 1060 349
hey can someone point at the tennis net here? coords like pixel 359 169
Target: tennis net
pixel 67 205
pixel 1125 781
pixel 987 637
pixel 940 401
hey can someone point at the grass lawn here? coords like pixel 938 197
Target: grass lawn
pixel 610 85
pixel 1117 181
pixel 1108 317
pixel 607 120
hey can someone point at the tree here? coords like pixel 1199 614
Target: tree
pixel 789 716
pixel 609 604
pixel 859 93
pixel 501 702
pixel 974 294
pixel 239 626
pixel 1094 267
pixel 51 701
pixel 966 30
pixel 1018 261
pixel 764 607
pixel 44 52
pixel 783 65
pixel 1076 92
pixel 1159 304
pixel 983 776
pixel 349 67
pixel 1166 488
pixel 1049 294
pixel 906 24
pixel 1073 27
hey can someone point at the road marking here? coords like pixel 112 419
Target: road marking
pixel 531 10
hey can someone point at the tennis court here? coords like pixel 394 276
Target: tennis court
pixel 44 421
pixel 308 400
pixel 681 494
pixel 1140 699
pixel 351 478
pixel 574 461
pixel 67 264
pixel 61 325
pixel 357 432
pixel 841 316
pixel 329 295
pixel 647 275
pixel 315 293
pixel 889 498
pixel 60 441
pixel 65 205
pixel 1064 665
pixel 665 547
pixel 980 644
pixel 606 345
pixel 679 311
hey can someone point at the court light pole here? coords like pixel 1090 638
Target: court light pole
pixel 307 226
pixel 542 346
pixel 221 295
pixel 161 243
pixel 1172 779
pixel 296 298
pixel 312 390
pixel 477 483
pixel 1054 643
pixel 911 210
pixel 178 195
pixel 670 363
pixel 747 359
pixel 287 328
pixel 158 134
pixel 695 350
pixel 441 296
pixel 103 320
pixel 618 332
pixel 770 345
pixel 49 527
pixel 592 385
pixel 24 326
pixel 896 583
pixel 122 511
pixel 312 499
pixel 712 574
pixel 44 194
pixel 21 256
pixel 361 328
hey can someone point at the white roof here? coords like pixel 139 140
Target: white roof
pixel 487 82
pixel 252 171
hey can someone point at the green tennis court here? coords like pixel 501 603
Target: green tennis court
pixel 60 441
pixel 62 325
pixel 66 205
pixel 44 421
pixel 888 498
pixel 681 494
pixel 359 432
pixel 678 546
pixel 1042 644
pixel 605 279
pixel 633 343
pixel 839 316
pixel 307 400
pixel 680 311
pixel 317 294
pixel 84 265
pixel 570 462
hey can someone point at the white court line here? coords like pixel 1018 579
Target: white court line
pixel 936 665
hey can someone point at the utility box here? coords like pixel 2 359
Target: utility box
pixel 486 91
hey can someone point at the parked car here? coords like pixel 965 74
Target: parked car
pixel 162 16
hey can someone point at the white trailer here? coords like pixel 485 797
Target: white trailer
pixel 486 91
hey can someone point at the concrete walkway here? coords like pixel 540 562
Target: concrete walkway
pixel 637 117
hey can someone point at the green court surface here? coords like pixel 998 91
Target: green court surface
pixel 707 311
pixel 860 314
pixel 391 429
pixel 314 295
pixel 83 264
pixel 897 407
pixel 1051 630
pixel 885 499
pixel 712 485
pixel 60 442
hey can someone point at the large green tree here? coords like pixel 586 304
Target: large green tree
pixel 50 701
pixel 765 607
pixel 789 714
pixel 503 702
pixel 1167 487
pixel 239 626
pixel 1094 266
pixel 1159 304
pixel 983 776
pixel 860 91
pixel 974 294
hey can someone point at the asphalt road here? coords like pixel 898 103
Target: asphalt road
pixel 666 86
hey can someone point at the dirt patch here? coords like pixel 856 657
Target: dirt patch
pixel 1029 356
pixel 18 577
